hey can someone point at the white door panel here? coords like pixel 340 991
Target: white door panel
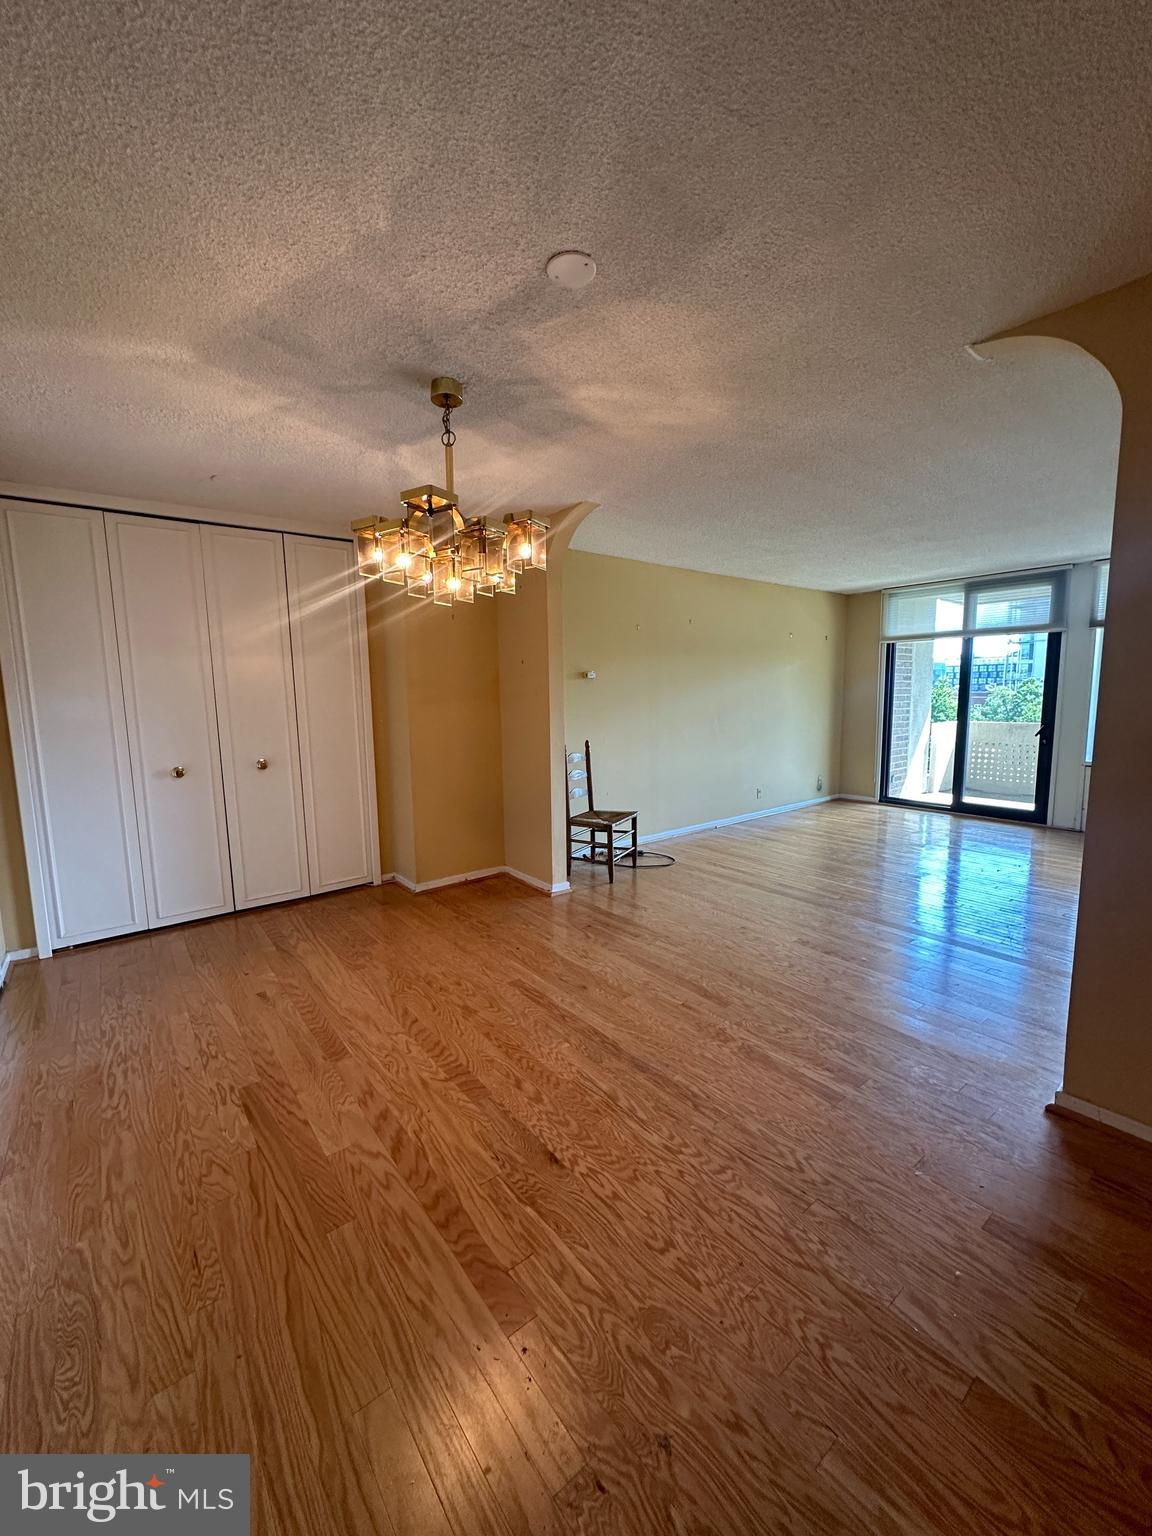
pixel 64 687
pixel 162 626
pixel 256 712
pixel 326 609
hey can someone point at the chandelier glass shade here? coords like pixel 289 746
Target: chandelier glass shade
pixel 433 552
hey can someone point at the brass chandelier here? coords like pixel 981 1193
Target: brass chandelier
pixel 432 551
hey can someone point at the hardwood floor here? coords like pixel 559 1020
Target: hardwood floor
pixel 720 1201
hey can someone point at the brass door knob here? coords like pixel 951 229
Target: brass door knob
pixel 261 762
pixel 179 771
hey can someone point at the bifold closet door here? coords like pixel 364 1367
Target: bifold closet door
pixel 166 664
pixel 329 658
pixel 64 691
pixel 256 712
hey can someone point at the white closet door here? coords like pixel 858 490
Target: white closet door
pixel 67 710
pixel 162 626
pixel 329 656
pixel 256 712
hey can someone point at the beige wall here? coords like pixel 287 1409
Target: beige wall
pixel 860 725
pixel 15 900
pixel 708 688
pixel 467 709
pixel 436 728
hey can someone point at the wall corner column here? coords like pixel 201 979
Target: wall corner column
pixel 531 650
pixel 1108 1058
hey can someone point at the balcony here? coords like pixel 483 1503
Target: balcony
pixel 1002 758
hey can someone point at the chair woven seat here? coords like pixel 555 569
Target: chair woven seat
pixel 601 818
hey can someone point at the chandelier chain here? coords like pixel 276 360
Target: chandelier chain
pixel 447 437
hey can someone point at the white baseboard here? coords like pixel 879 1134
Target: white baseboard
pixel 10 957
pixel 554 888
pixel 1083 1110
pixel 559 887
pixel 416 886
pixel 864 799
pixel 730 821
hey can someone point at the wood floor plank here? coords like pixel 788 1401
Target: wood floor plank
pixel 426 1177
pixel 461 1483
pixel 423 1265
pixel 776 1451
pixel 625 1463
pixel 1089 1400
pixel 722 1204
pixel 406 1488
pixel 286 1445
pixel 75 1406
pixel 285 1139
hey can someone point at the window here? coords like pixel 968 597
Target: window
pixel 1100 597
pixel 923 611
pixel 1097 652
pixel 1099 608
pixel 1029 604
pixel 980 605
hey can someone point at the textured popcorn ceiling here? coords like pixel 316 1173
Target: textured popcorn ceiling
pixel 238 238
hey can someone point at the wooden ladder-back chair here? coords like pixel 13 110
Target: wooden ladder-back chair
pixel 620 840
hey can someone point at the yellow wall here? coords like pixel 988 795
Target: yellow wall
pixel 15 900
pixel 436 729
pixel 532 712
pixel 526 742
pixel 860 721
pixel 708 689
pixel 454 725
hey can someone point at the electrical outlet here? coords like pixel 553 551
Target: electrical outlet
pixel 819 782
pixel 759 792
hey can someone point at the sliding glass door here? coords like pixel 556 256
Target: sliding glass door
pixel 969 716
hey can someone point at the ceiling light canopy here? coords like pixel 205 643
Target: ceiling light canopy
pixel 571 269
pixel 432 551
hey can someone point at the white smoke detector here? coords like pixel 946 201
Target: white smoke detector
pixel 571 269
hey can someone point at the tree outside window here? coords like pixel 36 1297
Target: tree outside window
pixel 1025 701
pixel 944 702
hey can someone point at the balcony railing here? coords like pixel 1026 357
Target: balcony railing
pixel 1002 757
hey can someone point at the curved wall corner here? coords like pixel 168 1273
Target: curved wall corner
pixel 1108 1058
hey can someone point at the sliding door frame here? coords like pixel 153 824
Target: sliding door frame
pixel 1047 734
